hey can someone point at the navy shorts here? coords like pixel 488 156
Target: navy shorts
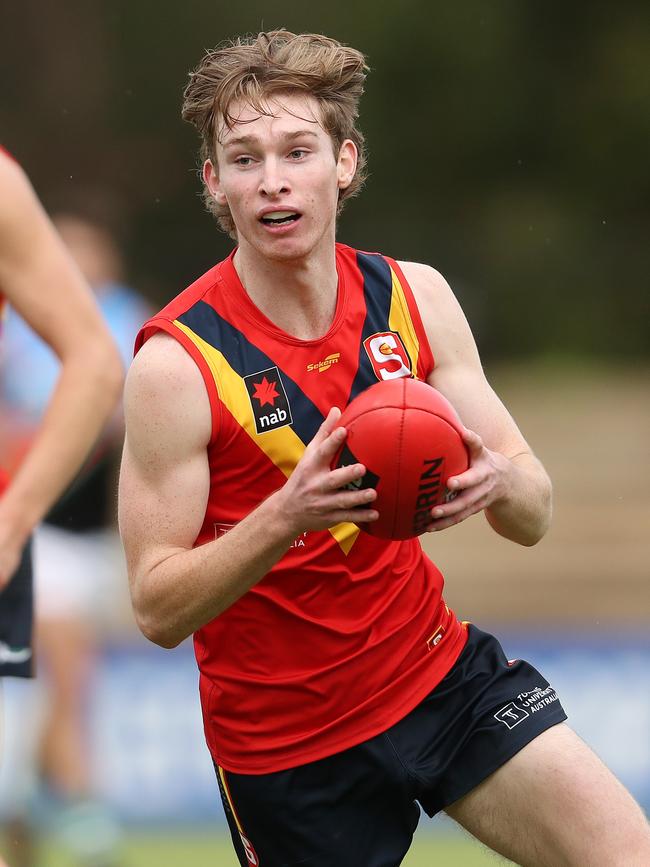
pixel 361 806
pixel 16 618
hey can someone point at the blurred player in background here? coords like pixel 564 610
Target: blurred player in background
pixel 45 288
pixel 338 689
pixel 78 562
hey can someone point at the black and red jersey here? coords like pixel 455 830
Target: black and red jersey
pixel 347 633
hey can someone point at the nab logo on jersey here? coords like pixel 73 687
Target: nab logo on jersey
pixel 268 399
pixel 388 355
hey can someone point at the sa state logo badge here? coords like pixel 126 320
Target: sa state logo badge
pixel 268 399
pixel 388 355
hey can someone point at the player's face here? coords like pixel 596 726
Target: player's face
pixel 280 177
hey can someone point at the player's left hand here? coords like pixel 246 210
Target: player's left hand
pixel 482 484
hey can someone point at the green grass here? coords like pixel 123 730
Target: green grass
pixel 212 850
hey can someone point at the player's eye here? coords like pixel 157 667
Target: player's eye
pixel 243 161
pixel 297 154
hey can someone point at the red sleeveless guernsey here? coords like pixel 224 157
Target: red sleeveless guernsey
pixel 347 633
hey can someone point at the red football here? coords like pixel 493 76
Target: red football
pixel 408 437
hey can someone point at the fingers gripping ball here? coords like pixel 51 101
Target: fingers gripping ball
pixel 408 436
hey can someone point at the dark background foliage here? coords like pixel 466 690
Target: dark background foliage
pixel 508 143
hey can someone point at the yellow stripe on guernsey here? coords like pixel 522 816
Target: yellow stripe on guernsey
pixel 282 446
pixel 399 319
pixel 346 535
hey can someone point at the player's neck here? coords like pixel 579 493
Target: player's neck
pixel 297 295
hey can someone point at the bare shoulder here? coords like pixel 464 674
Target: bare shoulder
pixel 429 287
pixel 442 316
pixel 161 364
pixel 12 177
pixel 458 372
pixel 20 210
pixel 423 278
pixel 165 398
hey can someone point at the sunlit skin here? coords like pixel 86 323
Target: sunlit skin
pixel 283 162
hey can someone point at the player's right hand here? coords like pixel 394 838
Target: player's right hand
pixel 315 495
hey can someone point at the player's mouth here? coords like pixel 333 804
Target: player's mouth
pixel 279 219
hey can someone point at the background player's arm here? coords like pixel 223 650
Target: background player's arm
pixel 42 284
pixel 505 478
pixel 164 489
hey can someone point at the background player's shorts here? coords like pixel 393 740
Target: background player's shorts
pixel 360 807
pixel 78 575
pixel 16 617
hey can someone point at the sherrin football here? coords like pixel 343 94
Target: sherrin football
pixel 408 437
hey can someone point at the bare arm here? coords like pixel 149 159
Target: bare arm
pixel 44 286
pixel 164 488
pixel 505 478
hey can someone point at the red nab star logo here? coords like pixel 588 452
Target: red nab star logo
pixel 265 392
pixel 268 399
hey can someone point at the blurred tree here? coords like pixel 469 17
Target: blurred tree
pixel 508 146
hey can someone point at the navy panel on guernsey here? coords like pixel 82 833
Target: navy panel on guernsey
pixel 250 363
pixel 360 806
pixel 378 296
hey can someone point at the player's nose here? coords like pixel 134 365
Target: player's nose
pixel 273 182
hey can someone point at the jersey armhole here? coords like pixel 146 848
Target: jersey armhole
pixel 426 359
pixel 160 324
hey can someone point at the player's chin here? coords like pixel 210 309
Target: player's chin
pixel 285 254
pixel 295 244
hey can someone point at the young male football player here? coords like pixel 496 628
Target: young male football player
pixel 338 689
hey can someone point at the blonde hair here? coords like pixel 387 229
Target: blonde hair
pixel 255 68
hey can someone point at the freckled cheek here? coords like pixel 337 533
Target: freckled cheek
pixel 243 204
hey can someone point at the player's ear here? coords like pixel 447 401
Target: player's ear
pixel 211 180
pixel 346 164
